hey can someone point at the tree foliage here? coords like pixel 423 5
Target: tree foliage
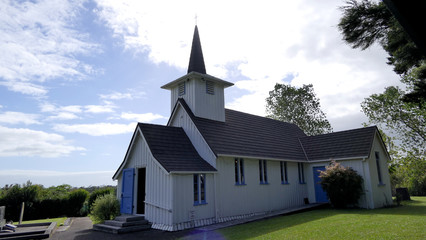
pixel 299 106
pixel 366 22
pixel 40 202
pixel 406 124
pixel 342 184
pixel 405 120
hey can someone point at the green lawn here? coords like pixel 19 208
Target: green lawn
pixel 404 222
pixel 59 221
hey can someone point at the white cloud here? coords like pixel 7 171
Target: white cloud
pixel 109 108
pixel 96 129
pixel 32 143
pixel 39 43
pixel 24 87
pixel 120 96
pixel 142 117
pixel 19 118
pixel 267 42
pixel 63 116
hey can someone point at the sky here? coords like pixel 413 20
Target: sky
pixel 76 76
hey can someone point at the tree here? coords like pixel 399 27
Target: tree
pixel 365 22
pixel 406 121
pixel 299 106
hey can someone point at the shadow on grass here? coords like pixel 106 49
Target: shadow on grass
pixel 267 226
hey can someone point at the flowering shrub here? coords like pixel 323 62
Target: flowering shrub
pixel 342 184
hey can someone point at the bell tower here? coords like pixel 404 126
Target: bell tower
pixel 203 93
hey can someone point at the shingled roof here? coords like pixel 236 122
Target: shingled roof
pixel 353 143
pixel 172 148
pixel 245 134
pixel 249 135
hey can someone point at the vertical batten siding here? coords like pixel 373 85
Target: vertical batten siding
pixel 355 164
pixel 199 101
pixel 253 197
pixel 182 119
pixel 183 205
pixel 158 196
pixel 381 192
pixel 208 105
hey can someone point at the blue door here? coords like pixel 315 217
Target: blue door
pixel 127 191
pixel 320 194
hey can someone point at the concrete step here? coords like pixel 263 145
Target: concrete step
pixel 125 224
pixel 118 230
pixel 129 218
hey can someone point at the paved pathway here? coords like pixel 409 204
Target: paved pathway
pixel 81 229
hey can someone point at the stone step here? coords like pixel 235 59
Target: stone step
pixel 129 218
pixel 125 224
pixel 118 230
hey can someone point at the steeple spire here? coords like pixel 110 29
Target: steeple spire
pixel 196 60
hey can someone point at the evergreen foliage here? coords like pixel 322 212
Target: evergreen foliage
pixel 299 106
pixel 342 184
pixel 97 193
pixel 40 202
pixel 366 22
pixel 105 207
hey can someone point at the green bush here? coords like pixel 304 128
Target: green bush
pixel 97 193
pixel 76 201
pixel 106 207
pixel 342 184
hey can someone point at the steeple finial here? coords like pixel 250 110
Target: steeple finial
pixel 196 60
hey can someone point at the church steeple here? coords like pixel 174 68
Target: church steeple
pixel 196 60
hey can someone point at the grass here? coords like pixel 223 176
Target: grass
pixel 405 222
pixel 59 221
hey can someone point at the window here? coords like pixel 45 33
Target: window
pixel 210 87
pixel 239 171
pixel 199 189
pixel 301 173
pixel 182 89
pixel 379 173
pixel 263 175
pixel 284 176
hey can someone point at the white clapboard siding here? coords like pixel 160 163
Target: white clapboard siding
pixel 253 197
pixel 158 201
pixel 184 208
pixel 381 192
pixel 182 119
pixel 202 104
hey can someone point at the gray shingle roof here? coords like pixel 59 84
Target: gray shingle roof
pixel 244 134
pixel 344 144
pixel 173 149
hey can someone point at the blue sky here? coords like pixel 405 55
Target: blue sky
pixel 76 76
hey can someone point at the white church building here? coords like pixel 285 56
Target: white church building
pixel 210 164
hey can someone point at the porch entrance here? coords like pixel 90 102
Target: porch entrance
pixel 320 194
pixel 141 191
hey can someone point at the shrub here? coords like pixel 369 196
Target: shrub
pixel 76 201
pixel 342 184
pixel 97 193
pixel 106 207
